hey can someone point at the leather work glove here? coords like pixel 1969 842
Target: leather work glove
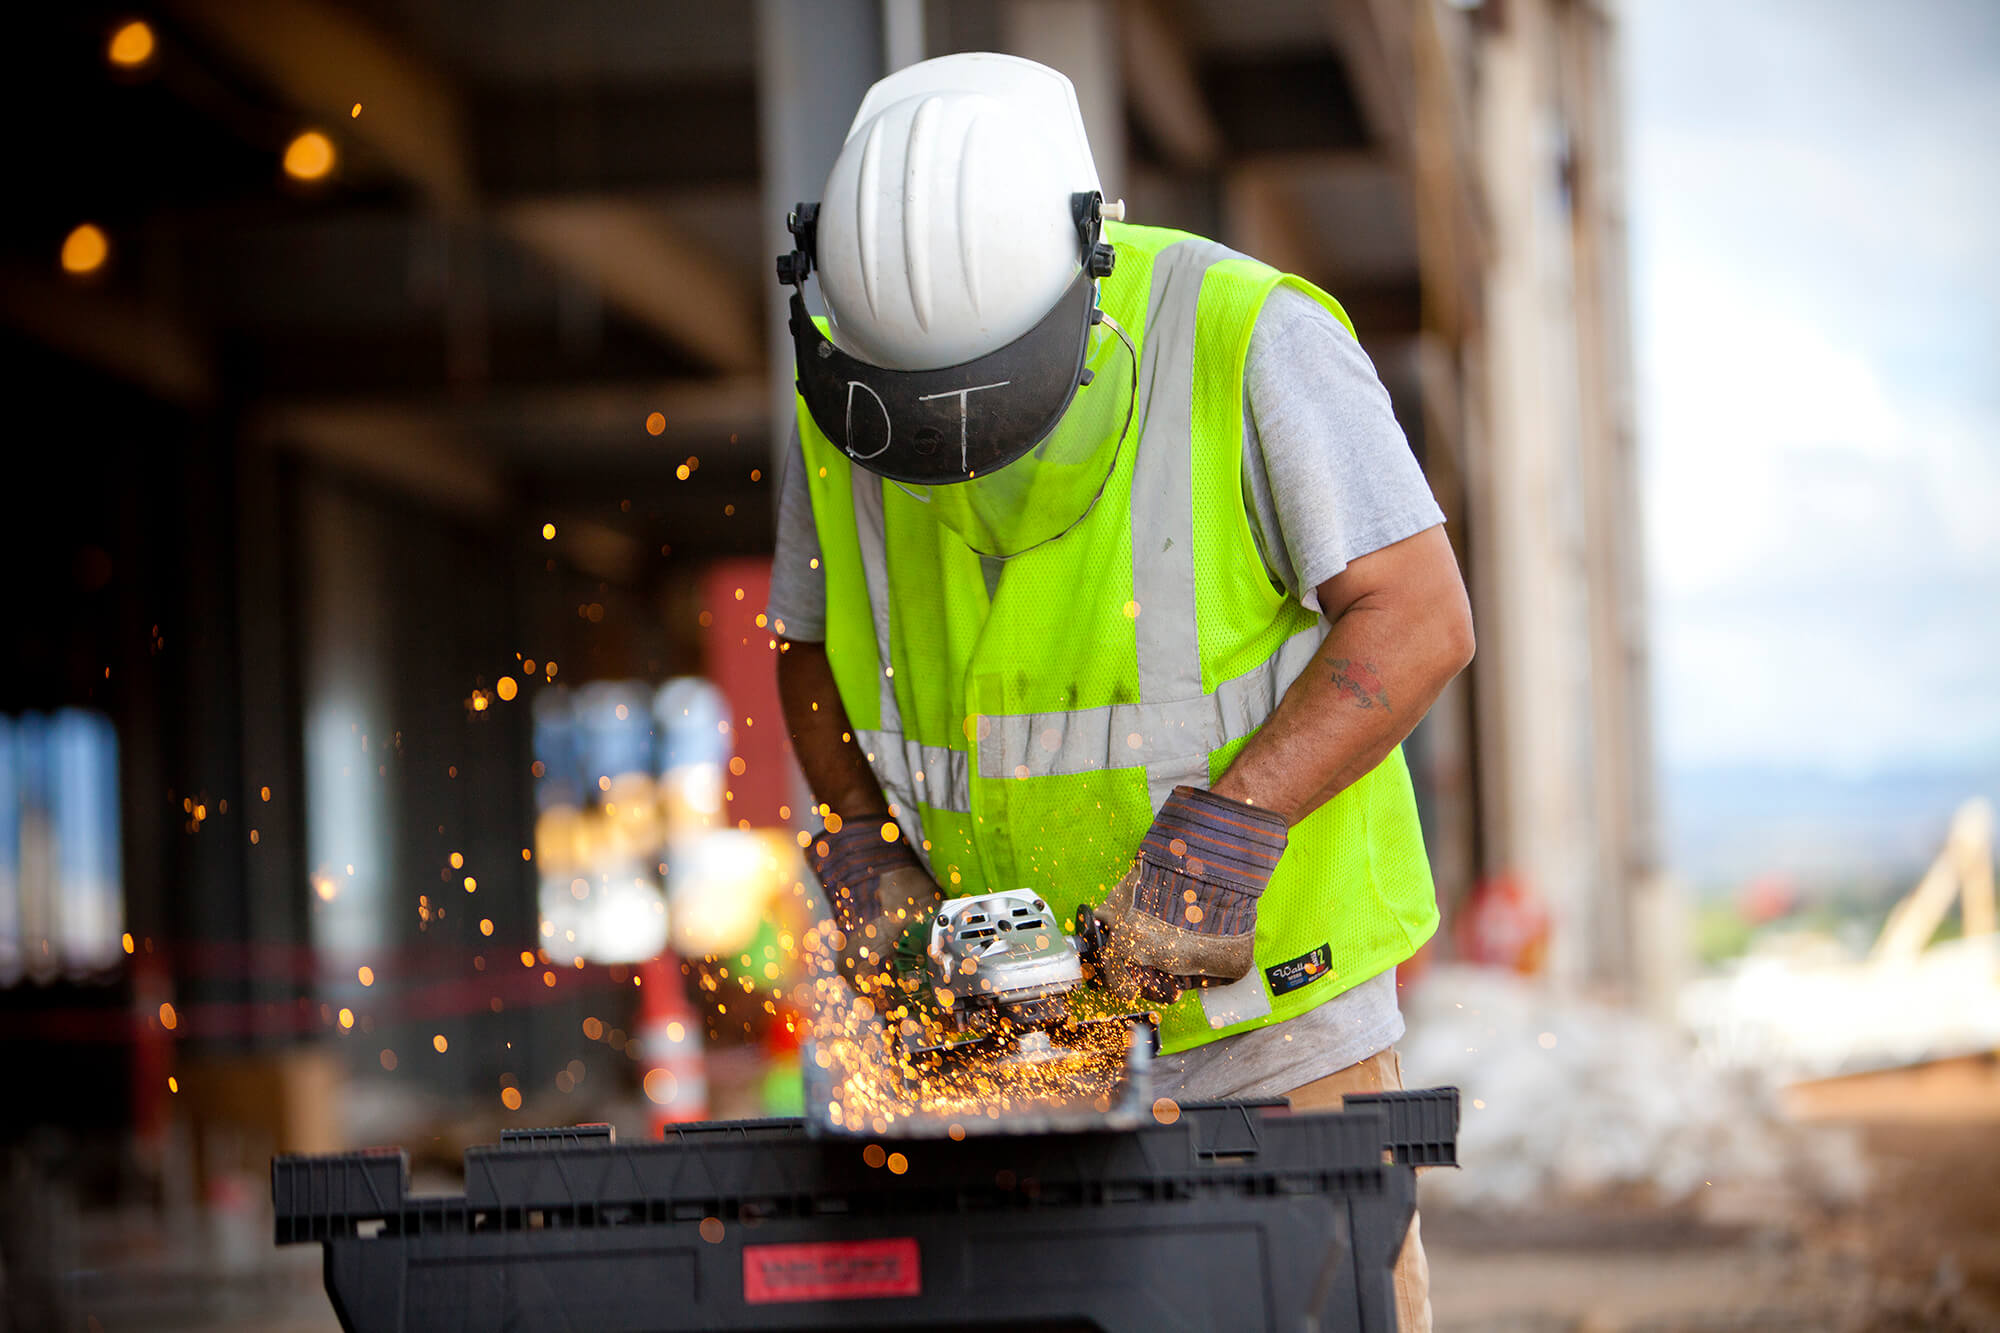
pixel 1186 913
pixel 876 888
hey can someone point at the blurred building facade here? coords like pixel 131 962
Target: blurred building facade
pixel 340 432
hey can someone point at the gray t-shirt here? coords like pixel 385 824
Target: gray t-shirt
pixel 1328 478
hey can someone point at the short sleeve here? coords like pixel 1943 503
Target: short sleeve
pixel 797 608
pixel 1329 476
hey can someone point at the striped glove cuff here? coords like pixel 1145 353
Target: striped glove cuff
pixel 1220 851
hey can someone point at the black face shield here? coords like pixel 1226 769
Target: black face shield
pixel 935 427
pixel 963 421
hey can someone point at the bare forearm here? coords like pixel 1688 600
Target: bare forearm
pixel 835 768
pixel 1362 694
pixel 1391 650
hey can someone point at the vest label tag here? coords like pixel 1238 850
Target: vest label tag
pixel 1301 971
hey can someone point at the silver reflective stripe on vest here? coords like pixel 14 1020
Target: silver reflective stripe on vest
pixel 1169 650
pixel 1174 737
pixel 896 760
pixel 875 573
pixel 910 772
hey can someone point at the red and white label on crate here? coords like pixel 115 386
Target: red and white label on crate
pixel 831 1270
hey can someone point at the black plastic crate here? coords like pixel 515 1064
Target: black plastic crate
pixel 1234 1216
pixel 1422 1125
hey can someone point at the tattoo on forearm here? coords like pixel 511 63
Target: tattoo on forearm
pixel 1360 682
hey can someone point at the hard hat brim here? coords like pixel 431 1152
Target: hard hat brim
pixel 936 427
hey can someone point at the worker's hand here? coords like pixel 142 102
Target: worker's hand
pixel 876 888
pixel 1186 913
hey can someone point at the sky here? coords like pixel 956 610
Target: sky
pixel 1815 223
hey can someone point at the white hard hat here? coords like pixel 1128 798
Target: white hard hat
pixel 958 248
pixel 946 229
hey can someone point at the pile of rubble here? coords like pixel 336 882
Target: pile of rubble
pixel 1812 1012
pixel 1569 1100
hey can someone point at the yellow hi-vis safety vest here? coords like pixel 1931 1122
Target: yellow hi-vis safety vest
pixel 1026 740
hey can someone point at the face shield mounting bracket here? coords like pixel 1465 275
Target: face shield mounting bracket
pixel 794 268
pixel 1086 209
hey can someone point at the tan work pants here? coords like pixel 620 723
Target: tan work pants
pixel 1380 1072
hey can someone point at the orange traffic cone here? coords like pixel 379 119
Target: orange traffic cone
pixel 676 1073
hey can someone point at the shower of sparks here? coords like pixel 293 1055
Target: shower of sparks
pixel 871 1042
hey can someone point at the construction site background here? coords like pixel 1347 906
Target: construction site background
pixel 389 747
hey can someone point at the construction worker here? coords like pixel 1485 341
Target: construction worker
pixel 1104 569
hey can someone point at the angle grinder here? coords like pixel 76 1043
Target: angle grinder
pixel 1004 974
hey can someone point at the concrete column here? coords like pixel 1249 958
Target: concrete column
pixel 1080 38
pixel 1637 898
pixel 276 899
pixel 1534 633
pixel 815 60
pixel 903 40
pixel 1566 763
pixel 348 732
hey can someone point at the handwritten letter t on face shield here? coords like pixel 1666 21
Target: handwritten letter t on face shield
pixel 964 456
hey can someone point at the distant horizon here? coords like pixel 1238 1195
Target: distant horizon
pixel 1724 823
